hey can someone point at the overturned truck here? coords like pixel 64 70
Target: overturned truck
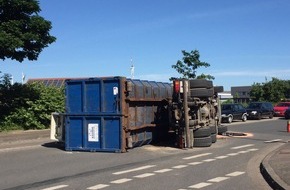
pixel 114 114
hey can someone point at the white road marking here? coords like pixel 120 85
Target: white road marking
pixel 218 179
pixel 221 157
pixel 144 175
pixel 243 146
pixel 209 160
pixel 56 187
pixel 215 180
pixel 243 151
pixel 99 186
pixel 179 166
pixel 163 171
pixel 119 181
pixel 253 149
pixel 234 174
pixel 200 185
pixel 135 169
pixel 195 163
pixel 233 154
pixel 274 140
pixel 196 156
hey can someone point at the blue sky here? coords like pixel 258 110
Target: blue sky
pixel 245 41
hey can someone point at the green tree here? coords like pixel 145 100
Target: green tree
pixel 28 106
pixel 23 33
pixel 189 64
pixel 272 91
pixel 257 92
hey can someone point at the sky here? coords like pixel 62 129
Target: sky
pixel 244 41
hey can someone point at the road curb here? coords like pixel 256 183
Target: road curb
pixel 270 175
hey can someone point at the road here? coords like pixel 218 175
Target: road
pixel 231 163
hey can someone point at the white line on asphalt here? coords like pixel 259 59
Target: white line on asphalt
pixel 200 185
pixel 234 174
pixel 209 160
pixel 99 186
pixel 144 175
pixel 163 171
pixel 196 156
pixel 232 154
pixel 253 149
pixel 243 146
pixel 56 187
pixel 195 163
pixel 119 181
pixel 243 151
pixel 221 157
pixel 218 179
pixel 275 140
pixel 135 169
pixel 179 166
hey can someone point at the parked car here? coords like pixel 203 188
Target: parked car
pixel 287 113
pixel 232 112
pixel 259 110
pixel 280 108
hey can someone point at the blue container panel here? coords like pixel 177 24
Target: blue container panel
pixel 111 96
pixel 93 133
pixel 93 96
pixel 74 97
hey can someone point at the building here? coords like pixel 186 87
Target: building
pixel 224 96
pixel 241 94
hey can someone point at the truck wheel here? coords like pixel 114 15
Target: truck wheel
pixel 213 129
pixel 200 83
pixel 259 116
pixel 222 129
pixel 202 132
pixel 202 142
pixel 201 92
pixel 213 138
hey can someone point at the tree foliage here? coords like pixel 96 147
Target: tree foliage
pixel 28 106
pixel 23 33
pixel 189 64
pixel 272 91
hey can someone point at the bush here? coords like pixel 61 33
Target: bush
pixel 29 106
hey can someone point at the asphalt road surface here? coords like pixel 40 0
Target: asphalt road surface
pixel 231 163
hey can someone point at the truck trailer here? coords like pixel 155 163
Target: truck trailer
pixel 114 114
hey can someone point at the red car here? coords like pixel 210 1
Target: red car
pixel 280 108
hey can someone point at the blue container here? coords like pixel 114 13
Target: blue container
pixel 114 113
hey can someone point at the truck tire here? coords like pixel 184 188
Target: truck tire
pixel 202 142
pixel 201 92
pixel 200 83
pixel 202 132
pixel 213 129
pixel 222 129
pixel 213 138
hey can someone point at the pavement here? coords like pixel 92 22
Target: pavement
pixel 275 167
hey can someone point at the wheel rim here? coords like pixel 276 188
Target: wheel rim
pixel 230 119
pixel 244 118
